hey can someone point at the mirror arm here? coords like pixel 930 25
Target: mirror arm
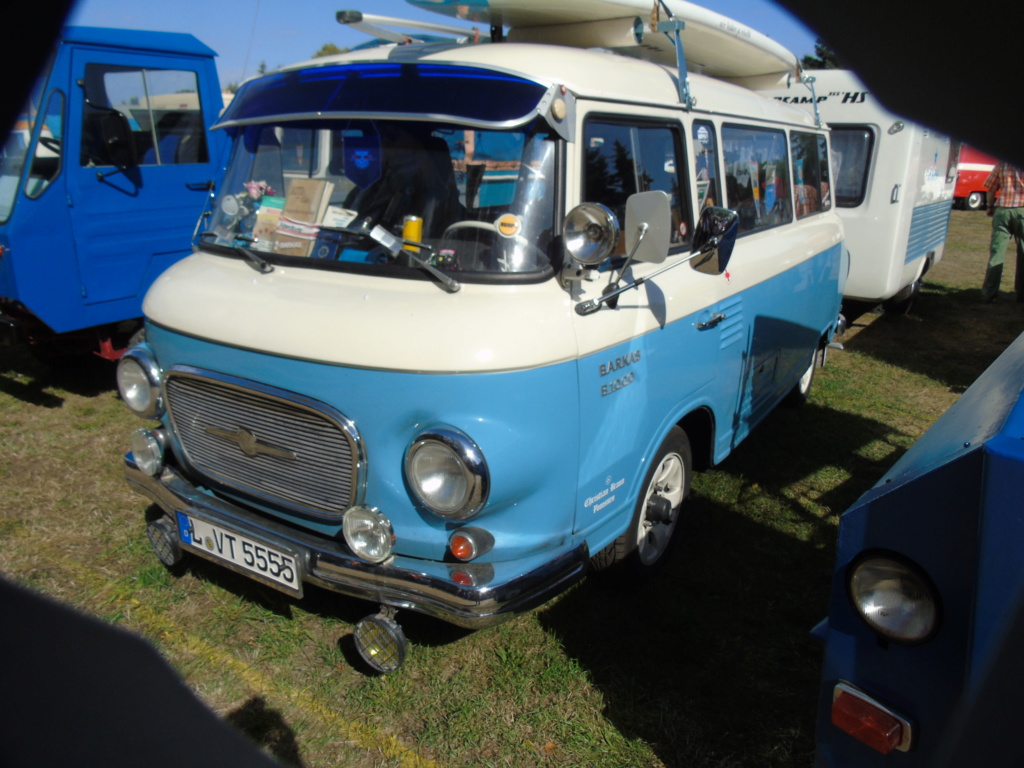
pixel 592 305
pixel 641 233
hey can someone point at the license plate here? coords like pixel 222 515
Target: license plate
pixel 269 564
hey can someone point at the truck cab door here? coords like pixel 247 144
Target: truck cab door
pixel 134 218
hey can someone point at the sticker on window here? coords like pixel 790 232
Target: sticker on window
pixel 509 225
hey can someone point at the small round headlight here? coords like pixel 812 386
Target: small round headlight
pixel 895 598
pixel 447 474
pixel 368 534
pixel 138 381
pixel 148 451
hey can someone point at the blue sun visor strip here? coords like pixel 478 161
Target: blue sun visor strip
pixel 468 95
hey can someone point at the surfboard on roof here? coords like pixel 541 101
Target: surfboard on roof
pixel 714 44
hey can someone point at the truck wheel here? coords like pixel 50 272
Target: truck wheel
pixel 975 201
pixel 656 515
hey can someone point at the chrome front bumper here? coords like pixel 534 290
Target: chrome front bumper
pixel 401 582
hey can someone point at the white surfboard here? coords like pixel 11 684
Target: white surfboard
pixel 714 44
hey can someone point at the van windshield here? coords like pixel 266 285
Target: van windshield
pixel 364 194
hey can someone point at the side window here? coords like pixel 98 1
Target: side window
pixel 162 109
pixel 851 163
pixel 810 173
pixel 46 161
pixel 623 158
pixel 705 160
pixel 757 176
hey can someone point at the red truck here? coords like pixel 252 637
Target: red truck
pixel 970 178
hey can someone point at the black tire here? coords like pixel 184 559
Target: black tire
pixel 656 514
pixel 798 395
pixel 974 201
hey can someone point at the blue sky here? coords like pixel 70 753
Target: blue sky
pixel 247 32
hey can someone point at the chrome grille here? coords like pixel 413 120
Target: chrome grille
pixel 279 447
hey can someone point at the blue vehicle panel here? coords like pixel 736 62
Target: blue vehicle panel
pixel 950 510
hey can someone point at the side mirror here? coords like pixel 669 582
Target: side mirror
pixel 117 140
pixel 653 210
pixel 714 240
pixel 591 233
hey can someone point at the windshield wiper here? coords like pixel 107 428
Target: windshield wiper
pixel 396 246
pixel 252 258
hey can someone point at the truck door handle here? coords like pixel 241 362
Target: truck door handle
pixel 203 185
pixel 716 318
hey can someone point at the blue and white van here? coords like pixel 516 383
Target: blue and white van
pixel 101 183
pixel 539 292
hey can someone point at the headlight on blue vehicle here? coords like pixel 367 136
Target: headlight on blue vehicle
pixel 894 597
pixel 139 382
pixel 368 533
pixel 447 474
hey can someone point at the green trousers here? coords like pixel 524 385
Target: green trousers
pixel 1006 223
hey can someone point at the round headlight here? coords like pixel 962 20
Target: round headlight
pixel 447 474
pixel 368 534
pixel 895 598
pixel 138 381
pixel 148 451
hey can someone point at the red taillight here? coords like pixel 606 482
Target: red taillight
pixel 868 722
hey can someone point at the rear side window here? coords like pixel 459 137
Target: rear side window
pixel 625 157
pixel 852 147
pixel 757 176
pixel 811 193
pixel 162 109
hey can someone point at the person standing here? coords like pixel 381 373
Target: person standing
pixel 1007 221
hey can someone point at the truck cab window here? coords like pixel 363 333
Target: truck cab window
pixel 46 159
pixel 162 109
pixel 622 159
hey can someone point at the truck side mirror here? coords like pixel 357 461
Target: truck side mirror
pixel 714 240
pixel 653 210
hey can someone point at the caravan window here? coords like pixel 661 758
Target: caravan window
pixel 757 176
pixel 162 108
pixel 852 146
pixel 625 158
pixel 810 173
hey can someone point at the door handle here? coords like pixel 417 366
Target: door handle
pixel 716 318
pixel 201 186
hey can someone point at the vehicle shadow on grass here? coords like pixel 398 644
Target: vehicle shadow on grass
pixel 26 378
pixel 949 335
pixel 710 662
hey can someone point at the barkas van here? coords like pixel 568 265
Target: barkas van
pixel 101 183
pixel 467 316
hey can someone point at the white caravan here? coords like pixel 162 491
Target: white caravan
pixel 894 183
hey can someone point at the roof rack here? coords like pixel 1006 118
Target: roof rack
pixel 380 27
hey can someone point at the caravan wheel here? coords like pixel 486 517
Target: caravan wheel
pixel 975 201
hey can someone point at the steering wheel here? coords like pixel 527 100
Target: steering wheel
pixel 50 143
pixel 539 255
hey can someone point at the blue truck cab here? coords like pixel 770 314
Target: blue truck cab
pixel 102 182
pixel 923 636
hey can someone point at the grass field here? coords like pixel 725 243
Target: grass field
pixel 710 665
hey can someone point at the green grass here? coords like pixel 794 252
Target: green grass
pixel 710 664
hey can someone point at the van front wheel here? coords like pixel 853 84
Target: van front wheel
pixel 656 516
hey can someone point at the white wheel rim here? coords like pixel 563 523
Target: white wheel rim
pixel 805 380
pixel 652 538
